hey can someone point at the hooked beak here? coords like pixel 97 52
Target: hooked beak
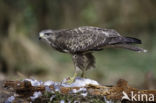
pixel 39 38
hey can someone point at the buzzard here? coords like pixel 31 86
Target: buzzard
pixel 82 41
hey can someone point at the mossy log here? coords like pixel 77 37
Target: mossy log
pixel 95 93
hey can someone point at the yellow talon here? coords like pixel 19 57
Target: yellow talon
pixel 71 79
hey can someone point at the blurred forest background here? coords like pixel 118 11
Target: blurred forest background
pixel 23 55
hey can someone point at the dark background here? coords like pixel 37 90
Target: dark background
pixel 22 55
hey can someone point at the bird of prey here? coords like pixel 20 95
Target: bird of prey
pixel 82 41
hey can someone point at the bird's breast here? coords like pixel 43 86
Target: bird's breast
pixel 59 48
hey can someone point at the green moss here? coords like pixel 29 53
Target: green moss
pixel 68 97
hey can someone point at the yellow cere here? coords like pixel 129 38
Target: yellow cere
pixel 41 34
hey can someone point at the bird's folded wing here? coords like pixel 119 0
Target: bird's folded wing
pixel 85 38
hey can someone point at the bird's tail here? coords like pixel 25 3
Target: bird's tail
pixel 131 40
pixel 124 40
pixel 130 47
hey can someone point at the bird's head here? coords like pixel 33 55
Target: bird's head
pixel 47 35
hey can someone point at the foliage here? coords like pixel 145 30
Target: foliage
pixel 21 20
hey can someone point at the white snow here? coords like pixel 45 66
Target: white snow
pixel 80 82
pixel 36 95
pixel 34 82
pixel 10 99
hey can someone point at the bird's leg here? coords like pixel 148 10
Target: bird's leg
pixel 83 74
pixel 71 79
pixel 84 70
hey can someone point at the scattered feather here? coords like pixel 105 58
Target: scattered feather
pixel 80 82
pixel 79 90
pixel 52 97
pixel 36 95
pixel 57 87
pixel 84 94
pixel 62 101
pixel 34 82
pixel 48 83
pixel 10 99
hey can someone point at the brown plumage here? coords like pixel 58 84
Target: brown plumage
pixel 81 41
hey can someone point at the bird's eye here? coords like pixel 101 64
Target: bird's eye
pixel 47 34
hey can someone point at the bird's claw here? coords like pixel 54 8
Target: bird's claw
pixel 70 80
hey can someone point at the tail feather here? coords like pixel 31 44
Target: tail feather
pixel 124 40
pixel 130 47
pixel 132 40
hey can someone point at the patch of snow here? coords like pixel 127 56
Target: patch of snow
pixel 10 99
pixel 36 95
pixel 79 90
pixel 34 82
pixel 48 83
pixel 62 101
pixel 80 82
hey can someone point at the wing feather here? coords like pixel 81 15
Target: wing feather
pixel 85 38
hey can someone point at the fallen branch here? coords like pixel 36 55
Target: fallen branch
pixel 25 90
